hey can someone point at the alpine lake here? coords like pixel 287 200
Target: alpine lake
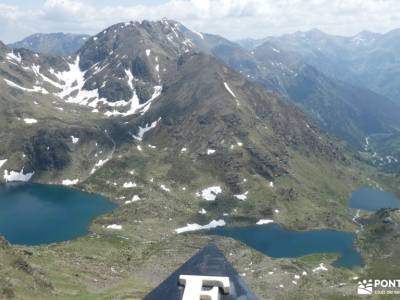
pixel 37 214
pixel 276 241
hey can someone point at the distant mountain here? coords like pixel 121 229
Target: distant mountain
pixel 52 43
pixel 346 110
pixel 367 59
pixel 249 43
pixel 343 109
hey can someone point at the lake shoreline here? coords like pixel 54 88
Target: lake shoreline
pixel 51 213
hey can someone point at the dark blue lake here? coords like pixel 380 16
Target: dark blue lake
pixel 34 214
pixel 275 241
pixel 370 199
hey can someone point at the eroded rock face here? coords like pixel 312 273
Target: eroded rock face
pixel 53 150
pixel 48 150
pixel 144 93
pixel 288 194
pixel 115 90
pixel 383 224
pixel 265 165
pixel 22 265
pixel 140 69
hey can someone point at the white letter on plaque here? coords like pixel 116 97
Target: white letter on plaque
pixel 194 287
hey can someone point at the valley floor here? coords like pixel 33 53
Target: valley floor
pixel 127 264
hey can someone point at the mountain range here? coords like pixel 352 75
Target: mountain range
pixel 114 75
pixel 52 43
pixel 367 59
pixel 349 111
pixel 298 68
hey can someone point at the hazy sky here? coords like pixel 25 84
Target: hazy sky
pixel 233 19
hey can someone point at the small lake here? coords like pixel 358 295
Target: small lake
pixel 275 241
pixel 34 214
pixel 371 199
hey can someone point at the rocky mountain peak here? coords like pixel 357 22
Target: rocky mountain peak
pixel 132 39
pixel 117 72
pixel 2 46
pixel 131 60
pixel 364 38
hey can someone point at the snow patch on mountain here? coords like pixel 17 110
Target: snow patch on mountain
pixel 275 50
pixel 271 184
pixel 129 184
pixel 2 162
pixel 164 188
pixel 134 199
pixel 72 91
pixel 35 89
pixel 74 80
pixel 320 268
pixel 36 70
pixel 196 227
pixel 30 121
pixel 210 193
pixel 17 176
pixel 232 93
pixel 229 90
pixel 14 57
pixel 143 130
pixel 210 151
pixel 114 227
pixel 130 78
pixel 135 106
pixel 99 164
pixel 241 196
pixel 70 181
pixel 202 211
pixel 74 139
pixel 264 221
pixel 199 34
